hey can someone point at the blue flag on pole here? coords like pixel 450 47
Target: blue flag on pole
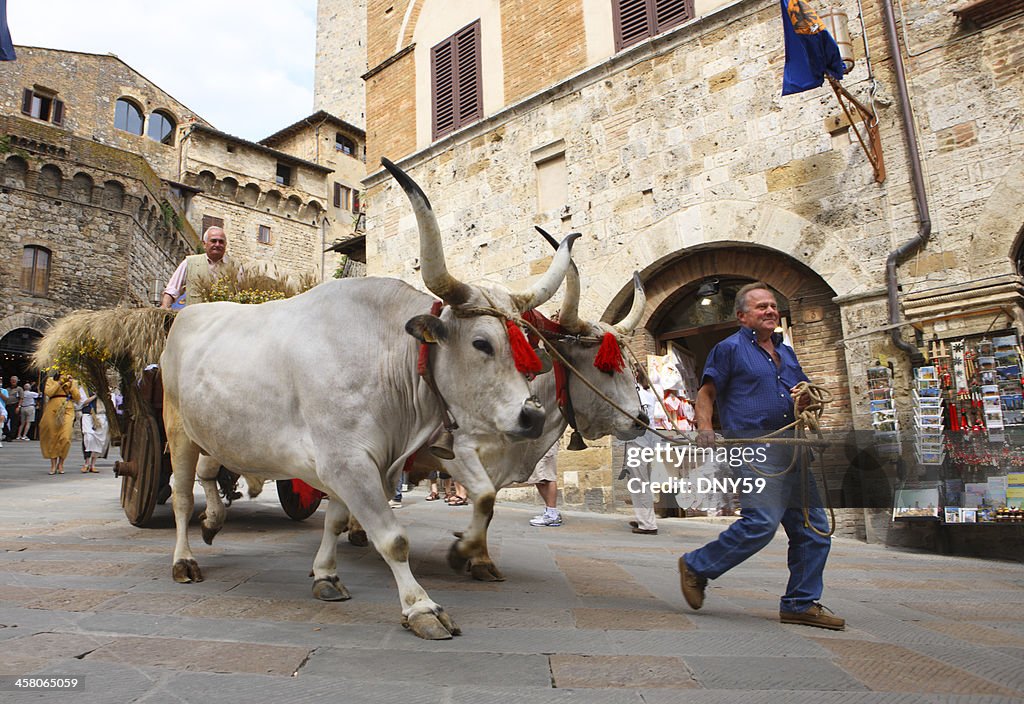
pixel 811 52
pixel 6 45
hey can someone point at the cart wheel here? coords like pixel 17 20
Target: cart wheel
pixel 139 468
pixel 290 501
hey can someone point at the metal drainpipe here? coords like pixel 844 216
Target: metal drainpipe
pixel 920 197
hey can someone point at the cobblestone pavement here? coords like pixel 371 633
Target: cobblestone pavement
pixel 589 612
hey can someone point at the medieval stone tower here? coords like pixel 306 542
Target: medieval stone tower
pixel 341 59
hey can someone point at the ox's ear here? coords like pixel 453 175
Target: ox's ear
pixel 427 328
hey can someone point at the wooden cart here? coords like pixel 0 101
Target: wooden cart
pixel 145 466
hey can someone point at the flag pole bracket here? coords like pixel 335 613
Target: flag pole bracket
pixel 867 134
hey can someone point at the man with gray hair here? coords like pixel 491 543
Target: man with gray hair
pixel 753 377
pixel 212 264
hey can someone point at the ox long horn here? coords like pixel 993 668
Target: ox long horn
pixel 547 285
pixel 432 265
pixel 568 317
pixel 636 311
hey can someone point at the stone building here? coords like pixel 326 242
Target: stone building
pixel 109 182
pixel 340 146
pixel 657 129
pixel 271 203
pixel 90 213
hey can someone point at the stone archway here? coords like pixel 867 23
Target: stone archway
pixel 15 353
pixel 727 223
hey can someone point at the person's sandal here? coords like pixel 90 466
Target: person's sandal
pixel 85 469
pixel 458 501
pixel 433 496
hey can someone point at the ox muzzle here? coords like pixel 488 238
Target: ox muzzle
pixel 531 419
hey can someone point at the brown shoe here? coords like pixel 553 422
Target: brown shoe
pixel 817 616
pixel 645 531
pixel 692 585
pixel 634 524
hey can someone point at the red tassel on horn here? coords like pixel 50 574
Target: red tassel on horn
pixel 307 494
pixel 609 356
pixel 525 359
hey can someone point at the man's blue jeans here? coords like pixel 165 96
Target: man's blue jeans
pixel 760 516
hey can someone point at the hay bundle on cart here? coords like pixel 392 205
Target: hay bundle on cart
pixel 122 346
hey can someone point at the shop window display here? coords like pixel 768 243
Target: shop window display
pixel 969 428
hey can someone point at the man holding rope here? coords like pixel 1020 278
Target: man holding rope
pixel 754 379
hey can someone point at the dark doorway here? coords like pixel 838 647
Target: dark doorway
pixel 16 348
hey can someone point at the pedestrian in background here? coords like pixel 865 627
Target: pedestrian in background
pixel 645 522
pixel 12 399
pixel 545 478
pixel 60 392
pixel 28 411
pixel 95 433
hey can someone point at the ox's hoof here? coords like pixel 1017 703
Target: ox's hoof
pixel 330 589
pixel 208 533
pixel 185 571
pixel 456 560
pixel 430 626
pixel 358 538
pixel 485 571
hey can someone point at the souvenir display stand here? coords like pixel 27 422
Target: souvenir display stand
pixel 968 411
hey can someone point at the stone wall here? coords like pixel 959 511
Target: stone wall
pixel 541 44
pixel 109 239
pixel 341 59
pixel 391 102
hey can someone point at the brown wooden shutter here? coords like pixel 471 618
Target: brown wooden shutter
pixel 337 195
pixel 456 78
pixel 636 20
pixel 631 20
pixel 355 201
pixel 443 84
pixel 26 101
pixel 58 112
pixel 668 13
pixel 469 69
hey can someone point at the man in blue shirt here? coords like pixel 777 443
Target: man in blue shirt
pixel 751 375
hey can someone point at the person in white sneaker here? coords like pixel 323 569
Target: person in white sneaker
pixel 27 412
pixel 545 477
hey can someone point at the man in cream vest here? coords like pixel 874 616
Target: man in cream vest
pixel 212 264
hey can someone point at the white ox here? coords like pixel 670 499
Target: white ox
pixel 336 368
pixel 576 340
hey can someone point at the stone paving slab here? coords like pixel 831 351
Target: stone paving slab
pixel 781 673
pixel 589 613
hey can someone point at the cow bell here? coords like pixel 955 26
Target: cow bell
pixel 443 446
pixel 576 442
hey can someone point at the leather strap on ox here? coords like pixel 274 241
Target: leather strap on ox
pixel 544 325
pixel 424 370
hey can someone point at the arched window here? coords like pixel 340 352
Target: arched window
pixel 127 117
pixel 161 127
pixel 35 270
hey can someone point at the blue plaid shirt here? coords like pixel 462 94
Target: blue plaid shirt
pixel 753 394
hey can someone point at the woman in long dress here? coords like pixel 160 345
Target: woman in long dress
pixel 95 435
pixel 61 392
